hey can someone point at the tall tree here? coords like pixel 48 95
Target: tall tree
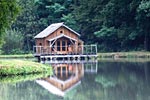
pixel 143 22
pixel 70 21
pixel 27 23
pixel 121 16
pixel 88 16
pixel 13 42
pixel 8 12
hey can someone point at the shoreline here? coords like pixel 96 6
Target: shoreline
pixel 116 55
pixel 9 66
pixel 109 55
pixel 20 67
pixel 23 56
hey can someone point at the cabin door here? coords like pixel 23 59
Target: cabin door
pixel 61 46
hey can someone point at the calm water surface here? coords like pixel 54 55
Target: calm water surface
pixel 85 81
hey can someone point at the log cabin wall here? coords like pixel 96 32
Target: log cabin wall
pixel 60 31
pixel 40 42
pixel 65 31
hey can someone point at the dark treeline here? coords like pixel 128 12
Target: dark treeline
pixel 114 25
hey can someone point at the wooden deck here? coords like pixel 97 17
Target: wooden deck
pixel 85 52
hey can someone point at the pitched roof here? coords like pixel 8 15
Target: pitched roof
pixel 53 27
pixel 62 35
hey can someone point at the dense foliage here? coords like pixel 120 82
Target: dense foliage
pixel 13 42
pixel 8 11
pixel 115 25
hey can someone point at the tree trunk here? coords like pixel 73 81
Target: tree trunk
pixel 28 45
pixel 146 42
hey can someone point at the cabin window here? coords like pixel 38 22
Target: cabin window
pixel 63 45
pixel 61 31
pixel 68 43
pixel 58 45
pixel 40 44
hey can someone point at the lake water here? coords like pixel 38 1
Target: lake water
pixel 105 80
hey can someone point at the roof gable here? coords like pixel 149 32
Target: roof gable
pixel 62 35
pixel 52 28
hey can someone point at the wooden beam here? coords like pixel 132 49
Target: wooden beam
pixel 53 42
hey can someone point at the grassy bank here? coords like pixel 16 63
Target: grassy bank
pixel 124 55
pixel 16 56
pixel 20 78
pixel 17 67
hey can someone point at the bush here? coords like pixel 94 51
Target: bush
pixel 13 42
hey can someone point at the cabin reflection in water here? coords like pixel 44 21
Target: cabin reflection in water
pixel 66 77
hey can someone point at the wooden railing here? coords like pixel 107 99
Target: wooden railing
pixel 82 49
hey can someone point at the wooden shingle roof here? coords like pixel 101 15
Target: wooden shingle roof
pixel 53 27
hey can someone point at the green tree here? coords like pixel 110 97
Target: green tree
pixel 121 16
pixel 8 12
pixel 51 11
pixel 109 39
pixel 88 16
pixel 143 20
pixel 70 21
pixel 27 23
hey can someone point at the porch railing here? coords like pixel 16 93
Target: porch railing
pixel 52 50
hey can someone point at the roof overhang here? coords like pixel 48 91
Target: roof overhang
pixel 52 28
pixel 71 30
pixel 60 36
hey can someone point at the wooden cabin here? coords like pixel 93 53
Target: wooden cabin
pixel 58 39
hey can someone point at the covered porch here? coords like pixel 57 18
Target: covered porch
pixel 61 44
pixel 65 50
pixel 64 44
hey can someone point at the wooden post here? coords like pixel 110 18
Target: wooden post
pixel 61 72
pixel 56 72
pixel 50 47
pixel 66 71
pixel 61 46
pixel 91 49
pixel 66 46
pixel 40 50
pixel 96 49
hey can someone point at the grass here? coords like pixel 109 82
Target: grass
pixel 124 55
pixel 18 67
pixel 21 78
pixel 16 56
